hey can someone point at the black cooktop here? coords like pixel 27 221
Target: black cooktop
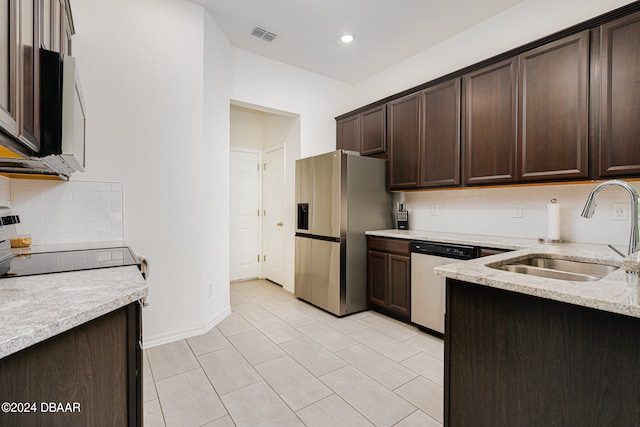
pixel 57 262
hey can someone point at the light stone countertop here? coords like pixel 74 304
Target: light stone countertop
pixel 35 308
pixel 618 292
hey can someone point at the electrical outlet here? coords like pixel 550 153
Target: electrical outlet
pixel 620 211
pixel 434 210
pixel 516 210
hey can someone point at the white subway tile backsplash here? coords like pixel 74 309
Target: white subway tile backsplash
pixel 110 196
pixel 101 186
pixel 66 212
pixel 72 206
pixel 489 211
pixel 57 217
pixel 85 196
pixel 42 206
pixel 73 227
pixel 85 216
pixel 98 206
pixel 99 226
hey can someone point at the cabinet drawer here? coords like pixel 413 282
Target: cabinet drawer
pixel 396 246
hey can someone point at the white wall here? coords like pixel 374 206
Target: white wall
pixel 316 99
pixel 218 78
pixel 247 128
pixel 148 85
pixel 525 22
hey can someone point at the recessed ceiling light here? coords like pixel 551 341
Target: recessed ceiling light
pixel 347 38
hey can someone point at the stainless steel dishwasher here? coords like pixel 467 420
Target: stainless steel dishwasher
pixel 427 289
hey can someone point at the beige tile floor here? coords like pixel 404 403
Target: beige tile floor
pixel 278 361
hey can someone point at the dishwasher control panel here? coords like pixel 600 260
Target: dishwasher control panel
pixel 451 251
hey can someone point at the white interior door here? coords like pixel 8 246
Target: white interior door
pixel 244 215
pixel 273 219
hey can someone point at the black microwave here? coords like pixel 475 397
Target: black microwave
pixel 62 111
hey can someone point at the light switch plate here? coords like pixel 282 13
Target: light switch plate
pixel 516 210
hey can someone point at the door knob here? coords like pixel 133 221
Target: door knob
pixel 279 224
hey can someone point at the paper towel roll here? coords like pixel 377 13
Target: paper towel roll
pixel 553 221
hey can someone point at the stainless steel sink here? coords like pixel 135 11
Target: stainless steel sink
pixel 557 268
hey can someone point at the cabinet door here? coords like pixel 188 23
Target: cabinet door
pixel 399 284
pixel 29 91
pixel 620 102
pixel 403 135
pixel 8 65
pixel 490 124
pixel 440 141
pixel 377 275
pixel 348 134
pixel 553 113
pixel 373 131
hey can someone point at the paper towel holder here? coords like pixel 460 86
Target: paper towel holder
pixel 545 240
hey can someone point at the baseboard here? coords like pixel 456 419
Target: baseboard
pixel 187 333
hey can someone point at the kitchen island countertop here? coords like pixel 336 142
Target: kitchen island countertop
pixel 35 308
pixel 618 292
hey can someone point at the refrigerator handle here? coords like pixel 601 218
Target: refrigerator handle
pixel 303 216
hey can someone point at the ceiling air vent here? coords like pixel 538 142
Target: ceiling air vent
pixel 263 34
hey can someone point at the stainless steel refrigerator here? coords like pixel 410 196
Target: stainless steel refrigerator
pixel 339 195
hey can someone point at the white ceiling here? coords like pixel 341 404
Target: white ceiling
pixel 386 31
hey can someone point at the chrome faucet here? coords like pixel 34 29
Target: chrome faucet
pixel 590 206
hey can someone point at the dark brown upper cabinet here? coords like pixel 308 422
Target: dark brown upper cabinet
pixel 29 87
pixel 373 125
pixel 9 25
pixel 403 135
pixel 348 133
pixel 620 102
pixel 364 132
pixel 490 113
pixel 440 131
pixel 424 138
pixel 27 26
pixel 553 110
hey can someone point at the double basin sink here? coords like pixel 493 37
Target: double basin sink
pixel 556 268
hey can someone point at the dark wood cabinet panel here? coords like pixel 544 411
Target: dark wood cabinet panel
pixel 490 129
pixel 29 123
pixel 389 275
pixel 553 110
pixel 96 365
pixel 440 139
pixel 403 136
pixel 378 273
pixel 519 360
pixel 373 125
pixel 348 134
pixel 364 132
pixel 620 102
pixel 399 289
pixel 8 66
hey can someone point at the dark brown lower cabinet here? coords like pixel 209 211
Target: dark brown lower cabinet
pixel 88 376
pixel 518 360
pixel 389 276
